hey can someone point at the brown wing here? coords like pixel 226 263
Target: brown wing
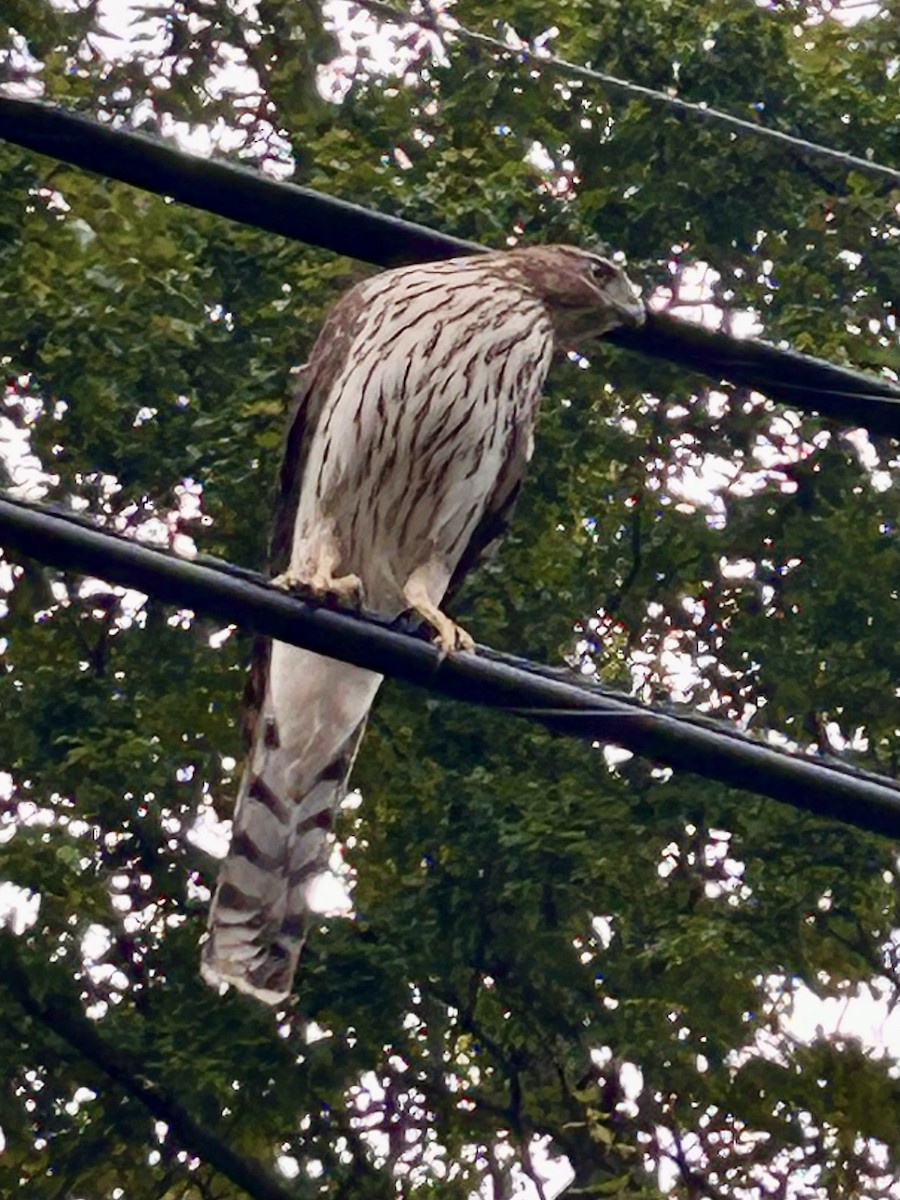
pixel 498 513
pixel 326 360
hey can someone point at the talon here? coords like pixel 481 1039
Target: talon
pixel 288 582
pixel 449 638
pixel 346 589
pixel 464 640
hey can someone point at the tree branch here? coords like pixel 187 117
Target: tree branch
pixel 81 1035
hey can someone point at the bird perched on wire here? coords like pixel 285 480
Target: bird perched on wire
pixel 411 432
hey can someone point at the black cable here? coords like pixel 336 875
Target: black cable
pixel 223 188
pixel 800 381
pixel 808 384
pixel 557 699
pixel 635 91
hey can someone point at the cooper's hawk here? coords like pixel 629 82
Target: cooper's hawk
pixel 409 441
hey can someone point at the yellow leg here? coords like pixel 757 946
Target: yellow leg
pixel 417 593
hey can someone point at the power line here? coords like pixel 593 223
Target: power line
pixel 570 70
pixel 302 214
pixel 556 699
pixel 224 188
pixel 558 702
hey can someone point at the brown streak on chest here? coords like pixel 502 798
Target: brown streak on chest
pixel 453 432
pixel 421 415
pixel 418 496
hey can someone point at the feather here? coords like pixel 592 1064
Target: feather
pixel 410 435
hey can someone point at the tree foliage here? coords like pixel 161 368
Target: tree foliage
pixel 553 952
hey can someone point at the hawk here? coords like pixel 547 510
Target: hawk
pixel 411 432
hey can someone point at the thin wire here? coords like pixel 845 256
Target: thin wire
pixel 561 66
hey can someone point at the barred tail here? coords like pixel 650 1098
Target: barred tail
pixel 305 743
pixel 259 916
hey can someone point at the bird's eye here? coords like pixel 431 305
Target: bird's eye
pixel 601 269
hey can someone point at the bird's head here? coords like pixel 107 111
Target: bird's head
pixel 586 293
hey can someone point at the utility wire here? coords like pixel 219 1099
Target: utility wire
pixel 539 693
pixel 223 188
pixel 806 383
pixel 557 699
pixel 559 66
pixel 799 380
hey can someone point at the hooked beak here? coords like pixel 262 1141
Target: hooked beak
pixel 633 314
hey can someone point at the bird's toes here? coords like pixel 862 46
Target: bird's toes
pixel 342 590
pixel 289 582
pixel 464 640
pixel 451 638
pixel 349 590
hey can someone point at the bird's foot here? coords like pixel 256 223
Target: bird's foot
pixel 426 582
pixel 343 589
pixel 451 637
pixel 448 636
pixel 347 589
